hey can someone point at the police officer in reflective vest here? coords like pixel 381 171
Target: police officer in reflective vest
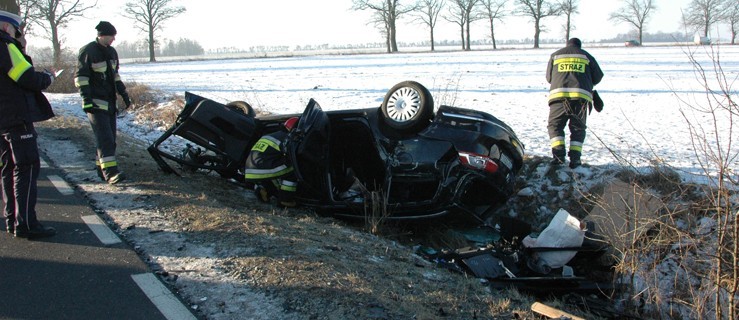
pixel 21 104
pixel 268 167
pixel 572 73
pixel 98 81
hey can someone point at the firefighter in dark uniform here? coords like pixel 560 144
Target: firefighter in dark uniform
pixel 572 73
pixel 268 167
pixel 21 104
pixel 98 80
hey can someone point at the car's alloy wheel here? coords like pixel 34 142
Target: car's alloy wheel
pixel 408 107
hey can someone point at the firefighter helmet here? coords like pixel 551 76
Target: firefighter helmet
pixel 290 123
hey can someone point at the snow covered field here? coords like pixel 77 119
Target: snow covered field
pixel 642 90
pixel 645 90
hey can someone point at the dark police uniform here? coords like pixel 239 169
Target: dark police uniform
pixel 21 104
pixel 572 73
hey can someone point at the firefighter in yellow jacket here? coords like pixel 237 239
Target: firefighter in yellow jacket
pixel 572 73
pixel 98 80
pixel 268 167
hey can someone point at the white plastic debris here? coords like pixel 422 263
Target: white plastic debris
pixel 564 231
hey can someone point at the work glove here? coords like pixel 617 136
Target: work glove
pixel 126 100
pixel 597 101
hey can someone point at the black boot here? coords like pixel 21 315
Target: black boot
pixel 558 156
pixel 575 159
pixel 35 232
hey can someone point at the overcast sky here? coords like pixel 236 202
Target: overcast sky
pixel 227 23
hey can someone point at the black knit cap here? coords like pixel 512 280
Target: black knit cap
pixel 104 28
pixel 574 42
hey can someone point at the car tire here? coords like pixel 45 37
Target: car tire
pixel 408 107
pixel 243 107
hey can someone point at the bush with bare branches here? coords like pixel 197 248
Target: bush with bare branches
pixel 682 260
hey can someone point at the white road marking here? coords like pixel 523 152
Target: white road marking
pixel 61 185
pixel 162 298
pixel 101 230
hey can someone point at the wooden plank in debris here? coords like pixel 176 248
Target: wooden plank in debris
pixel 552 313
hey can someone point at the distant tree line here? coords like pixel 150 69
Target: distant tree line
pixel 699 17
pixel 49 18
pixel 649 37
pixel 168 48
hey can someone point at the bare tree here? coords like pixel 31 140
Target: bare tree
pixel 52 16
pixel 28 15
pixel 386 13
pixel 428 14
pixel 455 16
pixel 537 10
pixel 702 14
pixel 462 13
pixel 493 10
pixel 150 16
pixel 732 17
pixel 636 13
pixel 569 7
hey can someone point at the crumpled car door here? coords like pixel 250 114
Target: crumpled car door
pixel 307 147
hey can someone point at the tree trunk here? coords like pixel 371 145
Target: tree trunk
pixel 388 44
pixel 461 35
pixel 492 35
pixel 537 32
pixel 393 41
pixel 468 37
pixel 705 30
pixel 57 50
pixel 432 39
pixel 151 45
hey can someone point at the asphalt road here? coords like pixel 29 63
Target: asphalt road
pixel 83 272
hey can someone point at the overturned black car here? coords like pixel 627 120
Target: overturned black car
pixel 417 163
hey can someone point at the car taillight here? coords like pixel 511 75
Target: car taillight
pixel 479 162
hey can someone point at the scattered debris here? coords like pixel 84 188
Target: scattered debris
pixel 510 256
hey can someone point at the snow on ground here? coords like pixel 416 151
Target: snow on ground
pixel 648 92
pixel 642 89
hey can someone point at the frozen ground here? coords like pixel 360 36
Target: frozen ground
pixel 649 93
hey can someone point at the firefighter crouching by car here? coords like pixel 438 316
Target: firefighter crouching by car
pixel 268 167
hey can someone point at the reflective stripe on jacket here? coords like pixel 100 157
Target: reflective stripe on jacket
pixel 572 73
pixel 267 159
pixel 21 99
pixel 97 77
